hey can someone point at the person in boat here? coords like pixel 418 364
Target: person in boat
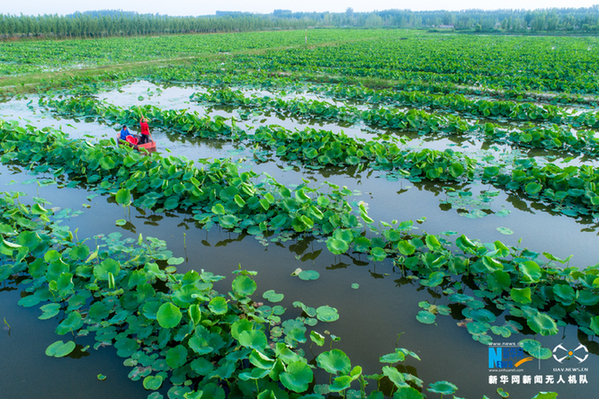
pixel 124 133
pixel 145 136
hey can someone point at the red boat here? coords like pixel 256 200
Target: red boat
pixel 132 142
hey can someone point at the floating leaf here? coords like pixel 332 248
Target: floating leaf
pixel 534 348
pixel 426 317
pixel 307 275
pixel 60 349
pixel 505 231
pixel 542 324
pixel 327 314
pixel 355 286
pixel 272 296
pixel 153 382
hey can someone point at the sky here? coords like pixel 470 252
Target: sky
pixel 202 7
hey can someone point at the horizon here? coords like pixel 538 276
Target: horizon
pixel 179 8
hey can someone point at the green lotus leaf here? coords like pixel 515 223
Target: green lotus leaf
pixel 79 252
pixel 535 349
pixel 73 322
pixel 177 356
pixel 542 324
pixel 533 188
pixel 201 366
pixel 212 391
pixel 442 387
pixel 482 315
pixel 395 376
pixel 254 374
pixel 239 326
pixel 272 296
pixel 521 295
pixel 218 209
pixel 337 246
pixel 254 339
pixel 195 314
pixel 502 393
pixel 123 197
pixel 307 275
pixel 168 315
pixel 378 254
pixel 397 356
pixel 531 272
pixel 426 317
pixel 334 361
pixel 564 294
pixel 106 266
pixel 340 383
pixel 153 382
pixel 361 244
pixel 317 338
pixel 406 248
pixel 298 377
pixel 545 395
pixel 218 305
pixel 327 313
pixel 477 327
pixel 285 354
pixel 50 310
pixel 407 392
pixel 60 349
pixel 505 231
pixel 261 361
pixel 244 285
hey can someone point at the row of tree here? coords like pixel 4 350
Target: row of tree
pixel 120 23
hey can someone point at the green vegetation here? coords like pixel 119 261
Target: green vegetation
pixel 119 23
pixel 176 330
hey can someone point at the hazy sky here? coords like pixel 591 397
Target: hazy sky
pixel 202 7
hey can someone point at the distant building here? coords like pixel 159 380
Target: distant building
pixel 445 26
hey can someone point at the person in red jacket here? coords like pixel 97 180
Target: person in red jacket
pixel 146 136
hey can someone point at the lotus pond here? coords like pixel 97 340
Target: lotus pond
pixel 346 225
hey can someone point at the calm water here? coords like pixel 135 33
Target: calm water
pixel 371 317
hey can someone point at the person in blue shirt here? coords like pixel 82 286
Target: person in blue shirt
pixel 124 133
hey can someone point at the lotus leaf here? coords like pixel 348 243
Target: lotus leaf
pixel 442 387
pixel 307 275
pixel 152 382
pixel 326 313
pixel 168 315
pixel 272 296
pixel 297 377
pixel 244 285
pixel 253 339
pixel 334 361
pixel 60 349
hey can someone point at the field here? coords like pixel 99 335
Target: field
pixel 331 213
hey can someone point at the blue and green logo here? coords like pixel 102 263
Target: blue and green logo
pixel 507 357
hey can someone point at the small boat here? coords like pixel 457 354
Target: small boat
pixel 131 141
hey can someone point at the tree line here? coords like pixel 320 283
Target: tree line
pixel 120 23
